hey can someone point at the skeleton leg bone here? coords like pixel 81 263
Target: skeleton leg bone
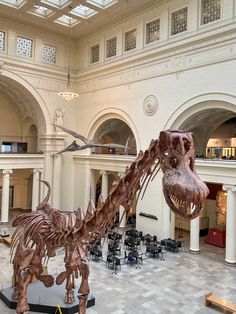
pixel 25 278
pixel 70 286
pixel 84 287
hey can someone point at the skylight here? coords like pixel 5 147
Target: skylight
pixel 57 3
pixel 83 11
pixel 13 3
pixel 65 12
pixel 67 21
pixel 103 4
pixel 40 11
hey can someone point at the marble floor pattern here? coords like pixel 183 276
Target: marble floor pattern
pixel 175 285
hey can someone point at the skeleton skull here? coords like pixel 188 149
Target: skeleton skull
pixel 184 191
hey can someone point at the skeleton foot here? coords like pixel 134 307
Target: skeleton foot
pixel 70 296
pixel 82 303
pixel 22 307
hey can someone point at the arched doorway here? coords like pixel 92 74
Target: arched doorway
pixel 209 121
pixel 22 106
pixel 118 132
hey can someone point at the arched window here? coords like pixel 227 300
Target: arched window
pixel 118 132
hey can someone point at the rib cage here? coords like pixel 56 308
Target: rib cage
pixel 54 225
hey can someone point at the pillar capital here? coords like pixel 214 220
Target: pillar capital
pixel 229 187
pixel 55 155
pixel 37 170
pixel 7 171
pixel 103 172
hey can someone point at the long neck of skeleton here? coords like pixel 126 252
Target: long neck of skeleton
pixel 125 190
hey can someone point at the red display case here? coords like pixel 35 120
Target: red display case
pixel 216 237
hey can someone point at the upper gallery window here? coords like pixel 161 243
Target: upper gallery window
pixel 179 21
pixel 210 11
pixel 152 31
pixel 49 53
pixel 111 47
pixel 2 41
pixel 94 54
pixel 24 47
pixel 130 40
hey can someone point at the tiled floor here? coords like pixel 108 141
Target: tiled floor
pixel 176 285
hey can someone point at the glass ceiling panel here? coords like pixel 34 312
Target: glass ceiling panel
pixel 83 11
pixel 40 11
pixel 67 21
pixel 73 10
pixel 102 3
pixel 57 3
pixel 13 3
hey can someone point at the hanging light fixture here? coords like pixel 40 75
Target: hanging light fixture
pixel 68 94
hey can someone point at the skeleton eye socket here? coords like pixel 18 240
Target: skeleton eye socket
pixel 174 163
pixel 187 145
pixel 176 144
pixel 181 146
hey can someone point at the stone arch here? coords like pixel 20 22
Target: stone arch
pixel 202 115
pixel 198 103
pixel 26 98
pixel 112 114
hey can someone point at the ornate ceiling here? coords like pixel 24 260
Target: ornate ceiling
pixel 73 18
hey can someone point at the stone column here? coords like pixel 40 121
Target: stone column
pixel 56 182
pixel 122 213
pixel 104 189
pixel 166 221
pixel 92 186
pixel 230 250
pixel 5 195
pixel 35 188
pixel 194 236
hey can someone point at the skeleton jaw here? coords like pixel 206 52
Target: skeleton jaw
pixel 188 204
pixel 185 209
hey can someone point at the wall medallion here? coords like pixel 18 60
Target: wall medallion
pixel 150 105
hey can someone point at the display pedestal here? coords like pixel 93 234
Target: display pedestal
pixel 45 300
pixel 216 237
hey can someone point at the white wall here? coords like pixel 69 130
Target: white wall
pixel 175 70
pixel 10 122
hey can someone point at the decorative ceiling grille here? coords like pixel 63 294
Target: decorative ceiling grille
pixel 24 47
pixel 179 21
pixel 210 11
pixel 2 41
pixel 152 31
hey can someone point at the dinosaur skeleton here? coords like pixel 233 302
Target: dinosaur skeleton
pixel 39 234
